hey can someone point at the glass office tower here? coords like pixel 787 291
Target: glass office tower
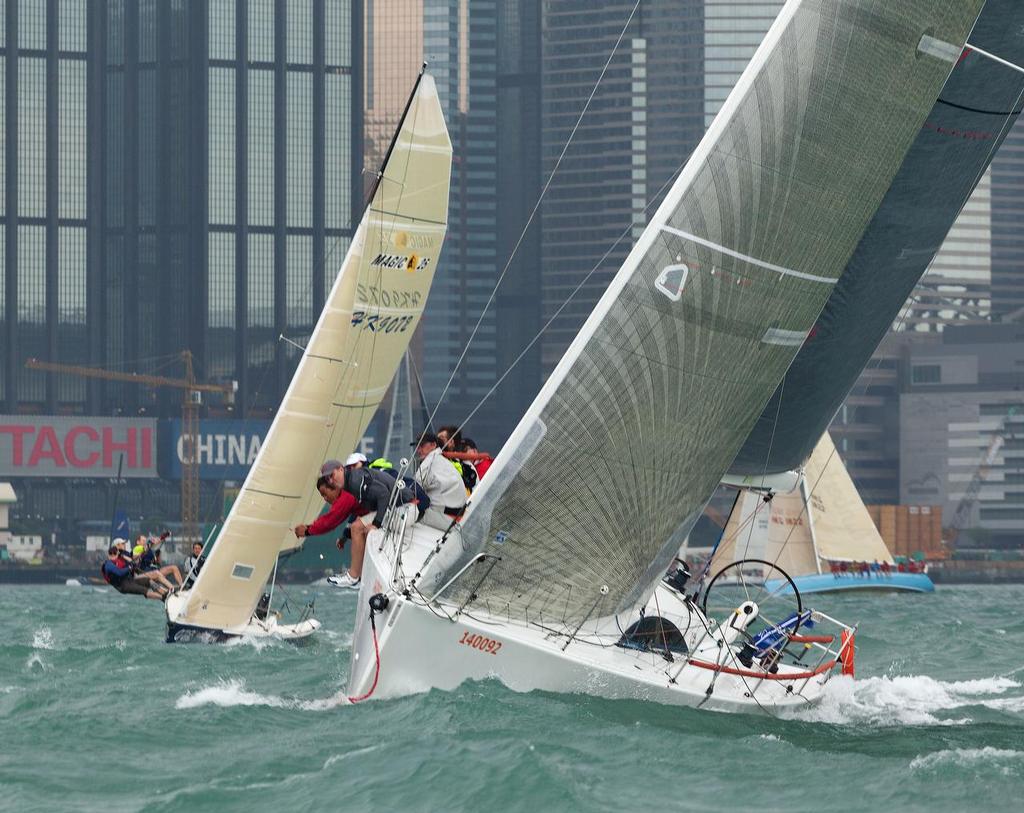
pixel 177 175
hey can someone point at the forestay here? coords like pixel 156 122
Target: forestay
pixel 642 416
pixel 369 316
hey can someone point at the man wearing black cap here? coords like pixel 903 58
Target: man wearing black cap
pixel 342 506
pixel 441 481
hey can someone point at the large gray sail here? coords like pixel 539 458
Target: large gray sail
pixel 976 109
pixel 637 424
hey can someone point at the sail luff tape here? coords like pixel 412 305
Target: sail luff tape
pixel 995 58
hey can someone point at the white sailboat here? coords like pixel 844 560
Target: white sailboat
pixel 553 578
pixel 819 535
pixel 346 367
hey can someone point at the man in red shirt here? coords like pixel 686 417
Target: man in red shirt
pixel 342 506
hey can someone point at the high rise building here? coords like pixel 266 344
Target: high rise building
pixel 733 29
pixel 175 174
pixel 958 284
pixel 178 175
pixel 1007 216
pixel 482 56
pixel 645 117
pixel 964 387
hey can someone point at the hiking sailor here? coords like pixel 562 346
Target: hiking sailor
pixel 342 506
pixel 149 558
pixel 371 489
pixel 441 481
pixel 117 572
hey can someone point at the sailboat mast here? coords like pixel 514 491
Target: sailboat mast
pixel 379 175
pixel 810 519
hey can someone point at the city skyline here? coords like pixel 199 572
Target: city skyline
pixel 196 189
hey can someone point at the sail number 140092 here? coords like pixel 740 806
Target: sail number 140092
pixel 487 645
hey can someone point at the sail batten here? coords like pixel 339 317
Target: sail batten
pixel 370 314
pixel 632 432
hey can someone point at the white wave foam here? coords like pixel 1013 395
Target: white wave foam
pixel 901 700
pixel 35 661
pixel 227 693
pixel 43 639
pixel 967 758
pixel 259 644
pixel 233 693
pixel 332 702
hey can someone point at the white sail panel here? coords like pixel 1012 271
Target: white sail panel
pixel 636 426
pixel 369 316
pixel 843 529
pixel 777 532
pixel 745 535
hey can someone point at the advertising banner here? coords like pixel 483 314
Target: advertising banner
pixel 77 446
pixel 225 448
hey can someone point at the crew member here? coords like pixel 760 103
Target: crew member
pixel 482 463
pixel 194 562
pixel 384 465
pixel 449 438
pixel 342 506
pixel 149 561
pixel 442 483
pixel 117 572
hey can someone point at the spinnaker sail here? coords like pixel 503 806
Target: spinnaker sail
pixel 980 102
pixel 345 369
pixel 634 429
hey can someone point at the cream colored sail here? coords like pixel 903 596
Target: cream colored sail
pixel 843 530
pixel 369 317
pixel 777 532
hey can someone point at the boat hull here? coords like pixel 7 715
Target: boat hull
pixel 827 583
pixel 421 649
pixel 258 629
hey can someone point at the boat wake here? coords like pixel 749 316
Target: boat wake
pixel 230 693
pixel 909 700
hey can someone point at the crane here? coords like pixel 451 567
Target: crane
pixel 193 399
pixel 963 508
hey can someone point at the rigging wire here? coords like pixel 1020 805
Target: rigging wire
pixel 533 214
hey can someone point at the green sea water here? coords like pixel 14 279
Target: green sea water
pixel 98 714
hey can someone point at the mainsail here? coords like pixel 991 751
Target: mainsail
pixel 643 415
pixel 803 531
pixel 369 316
pixel 980 102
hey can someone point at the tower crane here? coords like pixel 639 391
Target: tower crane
pixel 192 400
pixel 963 508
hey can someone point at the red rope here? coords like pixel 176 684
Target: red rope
pixel 376 672
pixel 714 667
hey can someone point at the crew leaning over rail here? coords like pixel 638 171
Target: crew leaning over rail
pixel 441 481
pixel 117 572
